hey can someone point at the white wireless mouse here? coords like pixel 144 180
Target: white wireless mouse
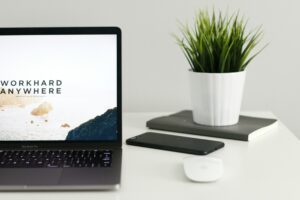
pixel 203 169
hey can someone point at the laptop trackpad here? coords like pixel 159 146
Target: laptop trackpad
pixel 32 176
pixel 85 176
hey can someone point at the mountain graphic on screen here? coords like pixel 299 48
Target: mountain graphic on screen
pixel 103 127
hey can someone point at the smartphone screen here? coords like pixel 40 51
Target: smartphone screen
pixel 175 143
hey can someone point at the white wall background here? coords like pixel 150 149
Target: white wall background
pixel 154 68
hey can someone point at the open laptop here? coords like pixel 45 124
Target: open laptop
pixel 60 108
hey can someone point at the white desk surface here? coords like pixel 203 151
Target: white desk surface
pixel 266 168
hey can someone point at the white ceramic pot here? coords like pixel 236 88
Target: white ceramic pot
pixel 216 97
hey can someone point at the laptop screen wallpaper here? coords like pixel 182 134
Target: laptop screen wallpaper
pixel 58 87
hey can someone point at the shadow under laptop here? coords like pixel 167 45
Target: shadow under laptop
pixel 67 195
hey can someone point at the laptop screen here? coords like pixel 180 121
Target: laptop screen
pixel 58 87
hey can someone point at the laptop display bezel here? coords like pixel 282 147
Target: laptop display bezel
pixel 60 144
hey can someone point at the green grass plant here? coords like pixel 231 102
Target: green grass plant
pixel 218 43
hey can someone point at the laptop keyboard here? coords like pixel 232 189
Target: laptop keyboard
pixel 55 159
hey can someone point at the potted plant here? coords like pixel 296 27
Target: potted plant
pixel 218 50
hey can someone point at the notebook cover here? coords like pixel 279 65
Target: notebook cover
pixel 183 122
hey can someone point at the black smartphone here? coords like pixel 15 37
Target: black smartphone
pixel 175 143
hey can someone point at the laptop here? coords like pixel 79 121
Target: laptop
pixel 60 108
